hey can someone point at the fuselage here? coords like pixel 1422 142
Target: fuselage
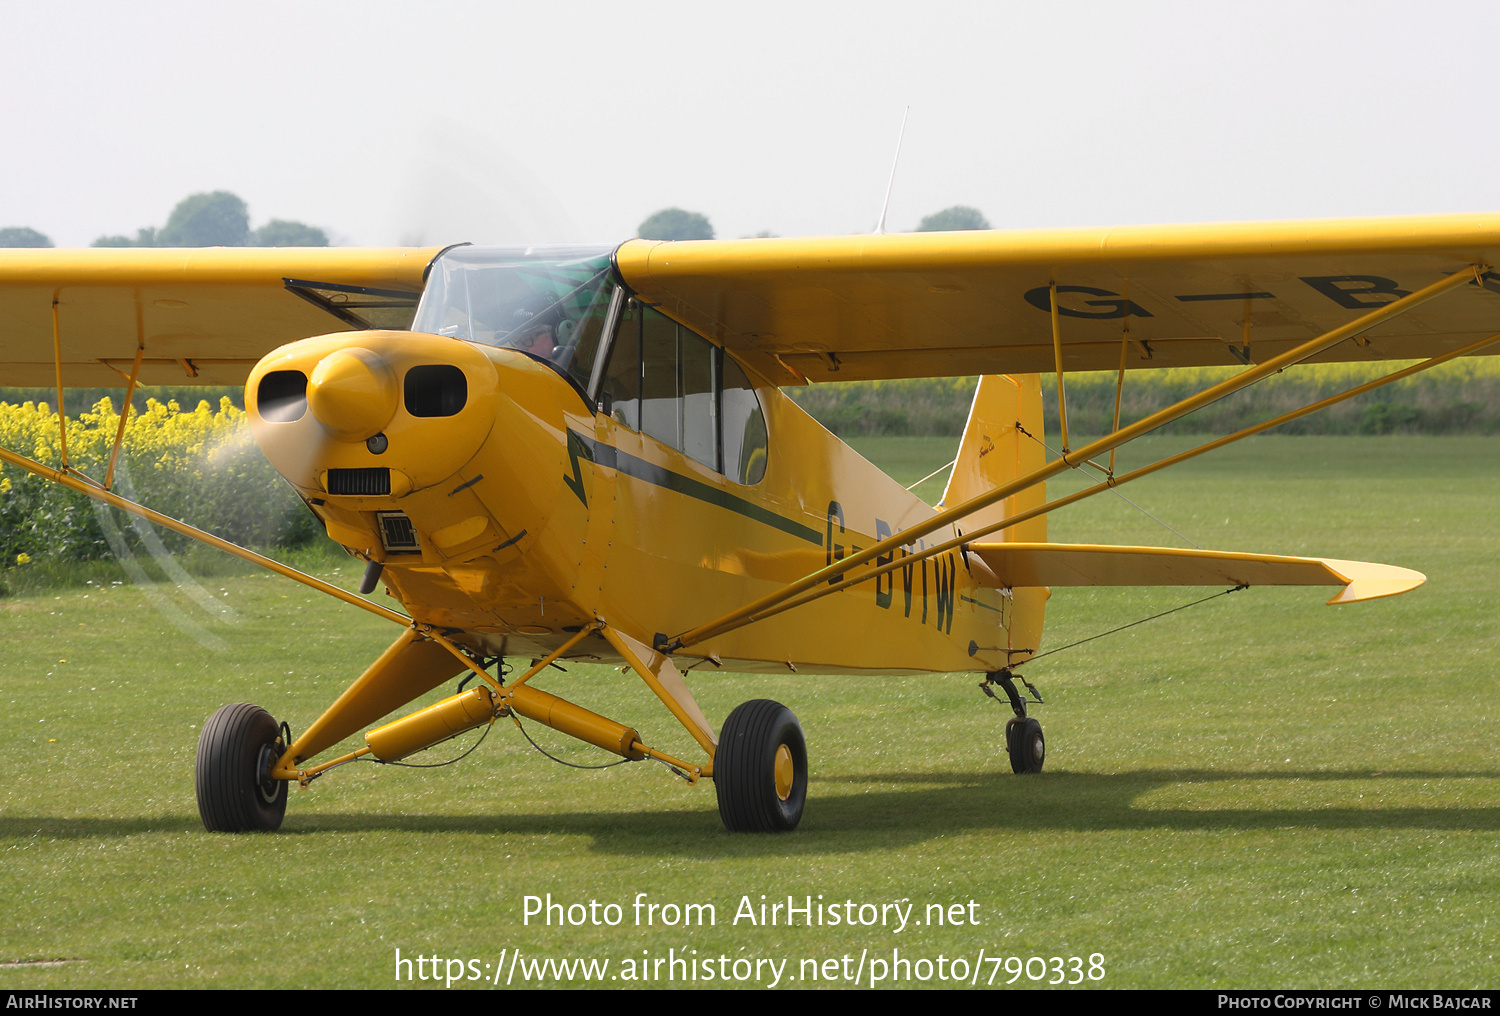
pixel 516 492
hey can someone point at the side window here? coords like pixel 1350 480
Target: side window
pixel 578 337
pixel 745 444
pixel 681 389
pixel 700 407
pixel 620 388
pixel 660 415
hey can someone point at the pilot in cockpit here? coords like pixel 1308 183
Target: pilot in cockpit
pixel 537 339
pixel 542 335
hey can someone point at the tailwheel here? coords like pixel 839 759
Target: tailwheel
pixel 1027 747
pixel 760 769
pixel 236 753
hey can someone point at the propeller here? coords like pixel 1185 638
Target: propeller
pixel 461 185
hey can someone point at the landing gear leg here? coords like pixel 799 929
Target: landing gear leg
pixel 1023 735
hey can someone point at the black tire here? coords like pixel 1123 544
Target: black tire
pixel 236 752
pixel 745 769
pixel 1026 745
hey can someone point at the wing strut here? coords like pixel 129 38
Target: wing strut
pixel 1062 399
pixel 1115 481
pixel 792 594
pixel 114 452
pixel 1119 390
pixel 62 416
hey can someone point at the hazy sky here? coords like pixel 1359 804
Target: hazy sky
pixel 495 122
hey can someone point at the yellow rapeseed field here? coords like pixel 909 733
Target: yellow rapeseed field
pixel 198 465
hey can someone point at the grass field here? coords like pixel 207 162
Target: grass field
pixel 1259 791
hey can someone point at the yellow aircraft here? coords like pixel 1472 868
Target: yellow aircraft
pixel 584 453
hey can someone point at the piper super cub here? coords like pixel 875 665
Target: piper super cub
pixel 547 454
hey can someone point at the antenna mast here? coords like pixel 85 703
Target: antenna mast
pixel 880 226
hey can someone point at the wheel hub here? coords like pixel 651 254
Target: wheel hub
pixel 269 788
pixel 785 772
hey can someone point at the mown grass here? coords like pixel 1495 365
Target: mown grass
pixel 1260 791
pixel 44 575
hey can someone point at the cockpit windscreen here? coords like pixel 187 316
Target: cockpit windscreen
pixel 547 302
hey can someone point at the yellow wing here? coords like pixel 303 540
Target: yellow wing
pixel 201 316
pixel 821 308
pixel 929 304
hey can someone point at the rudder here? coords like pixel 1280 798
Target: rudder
pixel 994 450
pixel 1002 440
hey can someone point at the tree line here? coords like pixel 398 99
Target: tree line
pixel 221 219
pixel 213 219
pixel 677 224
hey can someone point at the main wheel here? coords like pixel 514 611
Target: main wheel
pixel 760 769
pixel 1027 747
pixel 236 753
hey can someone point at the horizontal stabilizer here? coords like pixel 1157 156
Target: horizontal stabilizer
pixel 1063 564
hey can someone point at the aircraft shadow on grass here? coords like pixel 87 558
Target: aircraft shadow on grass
pixel 928 806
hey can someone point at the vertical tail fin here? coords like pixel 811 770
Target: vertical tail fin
pixel 1003 440
pixel 994 450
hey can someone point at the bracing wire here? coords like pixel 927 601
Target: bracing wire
pixel 562 762
pixel 930 475
pixel 432 765
pixel 1132 624
pixel 1082 465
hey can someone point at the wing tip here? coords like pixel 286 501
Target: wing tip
pixel 1368 581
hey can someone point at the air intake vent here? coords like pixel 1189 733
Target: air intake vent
pixel 359 481
pixel 436 390
pixel 396 531
pixel 282 396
